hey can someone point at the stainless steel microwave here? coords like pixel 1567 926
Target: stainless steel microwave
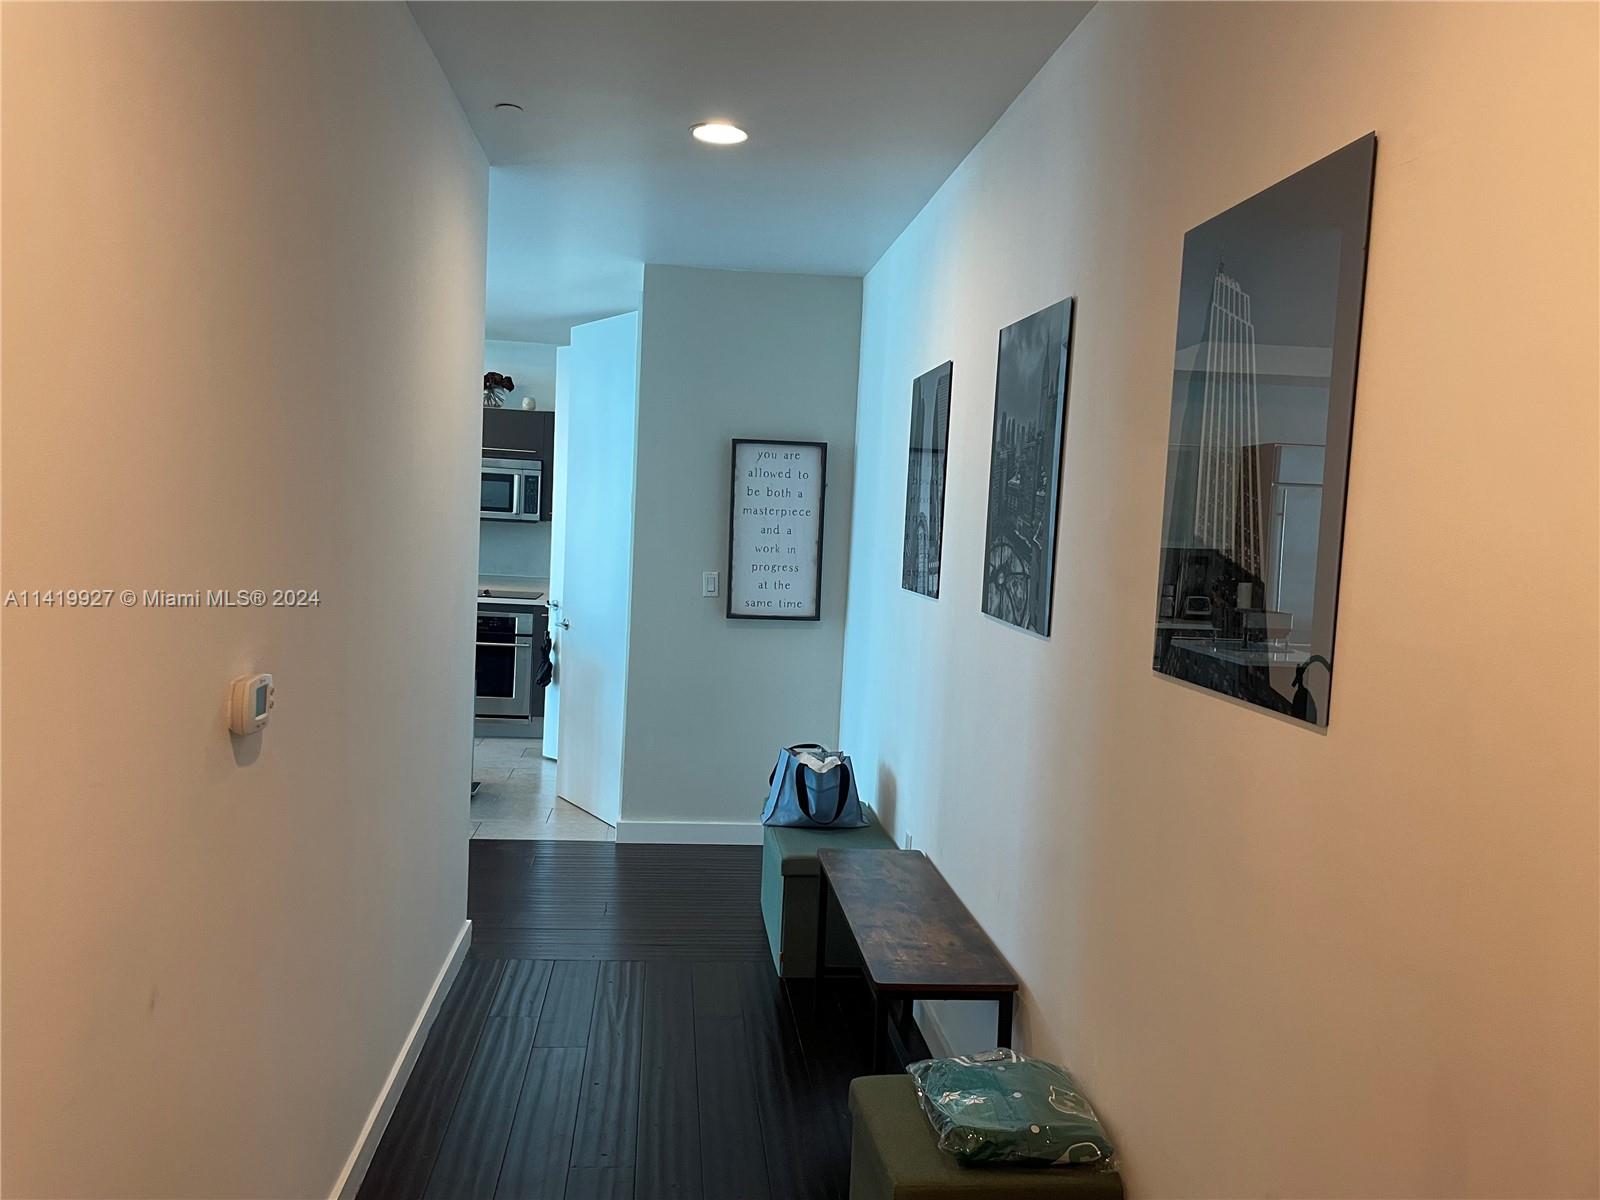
pixel 511 489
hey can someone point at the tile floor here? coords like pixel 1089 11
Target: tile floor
pixel 517 800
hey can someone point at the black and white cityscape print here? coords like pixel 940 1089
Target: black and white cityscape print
pixel 1263 395
pixel 1030 412
pixel 925 468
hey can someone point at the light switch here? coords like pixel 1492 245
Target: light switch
pixel 708 583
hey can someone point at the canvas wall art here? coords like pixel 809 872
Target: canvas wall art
pixel 1263 396
pixel 1030 414
pixel 925 469
pixel 775 524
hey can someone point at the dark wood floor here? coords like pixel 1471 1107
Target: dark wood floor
pixel 617 1030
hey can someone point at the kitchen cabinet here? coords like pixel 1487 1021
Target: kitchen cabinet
pixel 531 432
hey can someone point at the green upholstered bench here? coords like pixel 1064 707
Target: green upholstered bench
pixel 894 1156
pixel 789 892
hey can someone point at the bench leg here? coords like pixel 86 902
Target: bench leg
pixel 822 942
pixel 1003 1033
pixel 903 1020
pixel 880 1032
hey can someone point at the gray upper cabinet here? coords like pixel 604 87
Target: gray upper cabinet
pixel 530 432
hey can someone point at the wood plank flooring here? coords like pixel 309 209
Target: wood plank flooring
pixel 617 1031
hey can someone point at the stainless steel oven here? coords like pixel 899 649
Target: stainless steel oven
pixel 511 489
pixel 505 665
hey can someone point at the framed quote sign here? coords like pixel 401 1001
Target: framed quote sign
pixel 775 530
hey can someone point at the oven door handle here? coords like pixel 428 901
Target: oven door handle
pixel 522 679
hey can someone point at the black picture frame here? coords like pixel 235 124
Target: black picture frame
pixel 815 613
pixel 1027 453
pixel 927 462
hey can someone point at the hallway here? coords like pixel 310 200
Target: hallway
pixel 1022 401
pixel 617 1031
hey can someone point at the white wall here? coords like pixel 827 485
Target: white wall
pixel 1284 963
pixel 531 364
pixel 259 230
pixel 728 354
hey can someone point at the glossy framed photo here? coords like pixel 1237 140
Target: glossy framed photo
pixel 1258 456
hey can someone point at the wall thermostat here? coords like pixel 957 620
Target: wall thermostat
pixel 250 700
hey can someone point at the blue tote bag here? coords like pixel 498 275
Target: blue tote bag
pixel 812 787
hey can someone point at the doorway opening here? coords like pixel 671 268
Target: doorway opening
pixel 516 794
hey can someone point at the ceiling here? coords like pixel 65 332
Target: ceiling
pixel 857 112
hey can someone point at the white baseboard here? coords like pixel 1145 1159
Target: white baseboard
pixel 695 833
pixel 355 1167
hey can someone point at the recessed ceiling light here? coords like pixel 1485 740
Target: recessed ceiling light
pixel 507 106
pixel 718 133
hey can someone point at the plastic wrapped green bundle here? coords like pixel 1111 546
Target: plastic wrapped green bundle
pixel 1003 1108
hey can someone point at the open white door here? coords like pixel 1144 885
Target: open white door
pixel 558 542
pixel 591 588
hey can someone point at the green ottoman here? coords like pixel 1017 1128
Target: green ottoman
pixel 789 887
pixel 894 1156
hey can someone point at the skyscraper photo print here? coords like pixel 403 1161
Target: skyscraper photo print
pixel 1263 396
pixel 1030 412
pixel 925 470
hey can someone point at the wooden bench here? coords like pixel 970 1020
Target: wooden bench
pixel 917 940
